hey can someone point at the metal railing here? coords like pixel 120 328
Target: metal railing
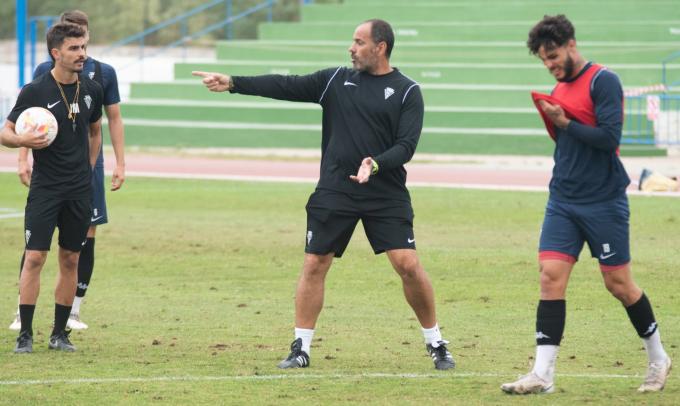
pixel 652 120
pixel 182 20
pixel 665 67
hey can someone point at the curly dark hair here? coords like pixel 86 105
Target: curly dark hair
pixel 551 32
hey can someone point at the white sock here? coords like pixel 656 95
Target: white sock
pixel 306 335
pixel 655 351
pixel 432 335
pixel 544 366
pixel 75 309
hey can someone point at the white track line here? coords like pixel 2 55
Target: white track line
pixel 261 43
pixel 293 179
pixel 11 216
pixel 311 106
pixel 415 65
pixel 292 376
pixel 505 23
pixel 8 212
pixel 140 122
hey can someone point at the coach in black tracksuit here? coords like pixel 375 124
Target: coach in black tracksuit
pixel 372 118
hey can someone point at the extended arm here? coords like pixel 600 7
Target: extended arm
pixel 306 88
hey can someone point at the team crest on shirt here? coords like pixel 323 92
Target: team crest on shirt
pixel 91 75
pixel 388 92
pixel 88 100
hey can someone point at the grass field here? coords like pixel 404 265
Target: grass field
pixel 192 302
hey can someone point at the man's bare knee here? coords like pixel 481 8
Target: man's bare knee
pixel 34 260
pixel 316 265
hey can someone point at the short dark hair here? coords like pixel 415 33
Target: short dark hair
pixel 381 31
pixel 74 17
pixel 551 32
pixel 59 32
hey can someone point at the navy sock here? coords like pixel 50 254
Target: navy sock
pixel 26 315
pixel 550 319
pixel 85 267
pixel 641 315
pixel 61 314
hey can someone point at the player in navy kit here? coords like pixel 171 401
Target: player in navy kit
pixel 105 75
pixel 372 119
pixel 587 203
pixel 60 192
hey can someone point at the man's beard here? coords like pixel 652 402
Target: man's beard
pixel 568 69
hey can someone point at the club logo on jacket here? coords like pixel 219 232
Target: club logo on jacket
pixel 91 75
pixel 88 101
pixel 388 92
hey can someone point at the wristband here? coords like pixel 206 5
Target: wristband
pixel 374 167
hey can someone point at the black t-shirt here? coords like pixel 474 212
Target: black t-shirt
pixel 363 115
pixel 62 169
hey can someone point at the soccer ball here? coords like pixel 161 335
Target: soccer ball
pixel 43 118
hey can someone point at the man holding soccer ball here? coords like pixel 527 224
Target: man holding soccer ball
pixel 372 119
pixel 105 75
pixel 60 190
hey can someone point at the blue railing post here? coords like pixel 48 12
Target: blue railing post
pixel 33 27
pixel 21 39
pixel 270 12
pixel 139 37
pixel 184 31
pixel 230 26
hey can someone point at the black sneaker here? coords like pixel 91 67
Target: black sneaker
pixel 24 343
pixel 297 358
pixel 441 356
pixel 60 342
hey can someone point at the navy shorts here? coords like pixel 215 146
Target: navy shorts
pixel 99 214
pixel 44 214
pixel 332 217
pixel 603 225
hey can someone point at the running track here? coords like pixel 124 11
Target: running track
pixel 454 171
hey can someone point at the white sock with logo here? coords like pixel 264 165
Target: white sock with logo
pixel 306 335
pixel 432 335
pixel 655 351
pixel 544 366
pixel 75 309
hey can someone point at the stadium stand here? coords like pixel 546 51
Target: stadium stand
pixel 471 62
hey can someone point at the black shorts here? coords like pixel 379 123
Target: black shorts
pixel 44 213
pixel 332 217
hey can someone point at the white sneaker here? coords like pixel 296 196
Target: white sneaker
pixel 74 322
pixel 16 324
pixel 657 372
pixel 529 383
